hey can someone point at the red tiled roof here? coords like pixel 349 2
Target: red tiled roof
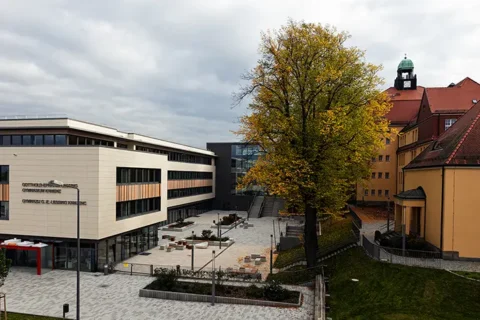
pixel 403 111
pixel 458 98
pixel 405 94
pixel 405 104
pixel 460 144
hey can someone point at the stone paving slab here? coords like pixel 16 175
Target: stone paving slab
pixel 115 297
pixel 255 239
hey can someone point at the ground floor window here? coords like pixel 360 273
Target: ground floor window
pixel 189 210
pixel 122 247
pixel 65 256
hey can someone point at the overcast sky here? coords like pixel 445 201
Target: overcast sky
pixel 168 68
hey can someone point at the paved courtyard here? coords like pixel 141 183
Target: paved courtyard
pixel 255 239
pixel 116 297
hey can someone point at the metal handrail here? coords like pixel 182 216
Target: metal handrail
pixel 251 204
pixel 261 207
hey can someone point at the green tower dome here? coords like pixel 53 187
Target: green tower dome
pixel 405 65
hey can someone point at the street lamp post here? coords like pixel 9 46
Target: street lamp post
pixel 193 248
pixel 213 278
pixel 58 183
pixel 388 214
pixel 271 253
pixel 219 232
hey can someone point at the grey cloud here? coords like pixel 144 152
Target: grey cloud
pixel 167 69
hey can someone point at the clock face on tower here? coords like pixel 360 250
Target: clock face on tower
pixel 407 84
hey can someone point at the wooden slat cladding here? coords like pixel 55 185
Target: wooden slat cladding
pixel 181 184
pixel 129 192
pixel 4 192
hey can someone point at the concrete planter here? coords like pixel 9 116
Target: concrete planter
pixel 178 229
pixel 145 293
pixel 228 226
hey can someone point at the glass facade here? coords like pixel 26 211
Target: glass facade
pixel 122 247
pixel 65 256
pixel 188 192
pixel 188 211
pixel 244 157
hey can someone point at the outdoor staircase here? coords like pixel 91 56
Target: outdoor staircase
pixel 294 231
pixel 267 210
pixel 389 235
pixel 256 207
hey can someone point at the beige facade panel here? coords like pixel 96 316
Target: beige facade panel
pixel 181 184
pixel 138 191
pixel 4 192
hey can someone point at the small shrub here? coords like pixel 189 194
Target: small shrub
pixel 166 278
pixel 206 234
pixel 180 220
pixel 275 292
pixel 254 292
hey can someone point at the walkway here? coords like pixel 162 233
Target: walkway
pixel 115 297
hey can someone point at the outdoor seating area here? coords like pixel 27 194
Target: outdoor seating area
pixel 256 258
pixel 237 244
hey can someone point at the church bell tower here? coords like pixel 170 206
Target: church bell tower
pixel 406 79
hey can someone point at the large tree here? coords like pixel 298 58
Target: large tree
pixel 318 114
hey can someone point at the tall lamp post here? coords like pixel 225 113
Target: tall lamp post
pixel 193 248
pixel 388 214
pixel 57 183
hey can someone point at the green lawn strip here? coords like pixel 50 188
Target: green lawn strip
pixel 471 275
pixel 332 233
pixel 388 291
pixel 21 316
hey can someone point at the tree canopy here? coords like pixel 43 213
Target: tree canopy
pixel 317 112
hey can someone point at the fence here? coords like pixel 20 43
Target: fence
pixel 187 272
pixel 426 259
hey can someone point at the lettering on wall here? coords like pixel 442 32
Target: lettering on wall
pixel 30 187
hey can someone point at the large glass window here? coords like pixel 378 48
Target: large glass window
pixel 189 175
pixel 48 139
pixel 60 139
pixel 187 192
pixel 137 207
pixel 27 140
pixel 6 140
pixel 38 140
pixel 16 140
pixel 138 175
pixel 4 174
pixel 244 157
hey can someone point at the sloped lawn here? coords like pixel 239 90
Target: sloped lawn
pixel 396 292
pixel 337 232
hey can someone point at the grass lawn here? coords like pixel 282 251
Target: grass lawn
pixel 21 316
pixel 333 232
pixel 396 292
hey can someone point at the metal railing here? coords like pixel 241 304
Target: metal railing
pixel 187 272
pixel 251 204
pixel 426 259
pixel 355 217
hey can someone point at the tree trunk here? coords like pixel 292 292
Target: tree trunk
pixel 310 235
